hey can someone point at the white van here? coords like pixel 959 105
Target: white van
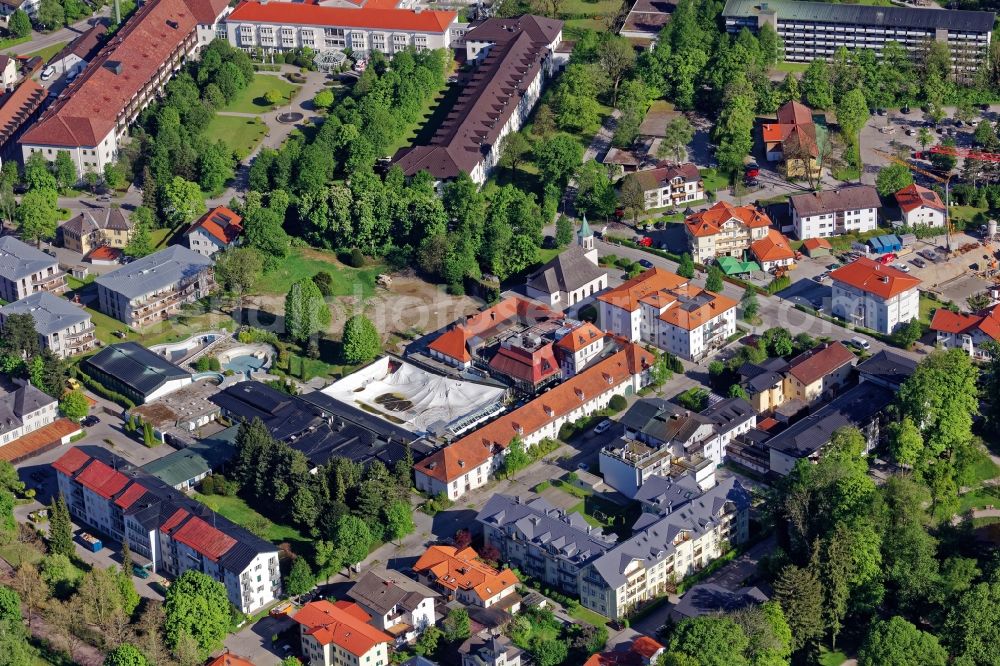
pixel 860 343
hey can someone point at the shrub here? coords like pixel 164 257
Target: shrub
pixel 354 258
pixel 617 403
pixel 324 282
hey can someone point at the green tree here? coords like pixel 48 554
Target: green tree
pixel 558 158
pixel 514 149
pixel 74 406
pixel 892 179
pixel 660 372
pixel 306 313
pixel 60 528
pixel 714 281
pixel 896 642
pixel 852 114
pixel 907 334
pixel 686 266
pixel 771 46
pixel 516 459
pixel 140 243
pixel 64 169
pixel 237 270
pixel 768 633
pixel 10 605
pixel 973 625
pixel 564 231
pixel 595 192
pixel 19 24
pixel 737 391
pixel 353 538
pixel 398 519
pixel 632 197
pixel 617 58
pixel 125 654
pixel 114 176
pixel 457 626
pixel 427 642
pixel 713 641
pixel 361 340
pixel 677 135
pixel 197 606
pixel 274 97
pixel 182 201
pixel 851 566
pixel 37 215
pixel 985 135
pixel 750 305
pixel 789 90
pixel 50 14
pixel 924 138
pixel 777 342
pixel 323 99
pixel 300 578
pixel 816 88
pixel 800 594
pixel 905 441
pixel 37 174
pixel 549 652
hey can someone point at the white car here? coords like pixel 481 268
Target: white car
pixel 48 73
pixel 602 426
pixel 901 266
pixel 860 343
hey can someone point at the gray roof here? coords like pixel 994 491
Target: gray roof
pixel 20 260
pixel 51 313
pixel 419 661
pixel 762 376
pixel 662 420
pixel 709 598
pixel 891 17
pixel 484 647
pixel 656 542
pixel 567 536
pixel 16 400
pixel 852 197
pixel 104 218
pixel 854 408
pixel 729 413
pixel 383 590
pixel 668 493
pixel 887 367
pixel 196 459
pixel 156 271
pixel 136 367
pixel 568 270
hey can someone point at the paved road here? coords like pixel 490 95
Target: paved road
pixel 41 40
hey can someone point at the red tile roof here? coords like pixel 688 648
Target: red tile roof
pixel 988 322
pixel 913 196
pixel 794 128
pixel 340 625
pixel 642 650
pixel 454 342
pixel 202 537
pixel 104 253
pixel 101 479
pixel 378 18
pixel 813 365
pixel 773 247
pixel 456 569
pixel 131 495
pixel 628 294
pixel 175 519
pixel 221 223
pixel 532 367
pixel 817 244
pixel 646 646
pixel 709 222
pixel 71 461
pixel 230 659
pixel 690 319
pixel 17 106
pixel 580 337
pixel 872 277
pixel 474 449
pixel 92 105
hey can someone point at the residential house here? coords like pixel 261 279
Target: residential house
pixel 732 417
pixel 674 185
pixel 468 462
pixel 541 541
pixel 619 307
pixel 216 230
pixel 166 531
pixel 878 297
pixel 643 651
pixel 968 332
pixel 227 658
pixel 887 368
pixel 8 7
pixel 921 207
pixel 724 230
pixel 851 209
pixel 773 251
pixel 64 328
pixel 151 289
pixel 513 60
pixel 8 72
pixel 489 649
pixel 23 410
pixel 90 229
pixel 25 270
pixel 811 30
pixel 82 50
pixel 572 276
pixel 666 549
pixel 712 599
pixel 764 383
pixel 460 575
pixel 91 116
pixel 399 606
pixel 793 141
pixel 339 633
pixel 135 372
pixel 819 373
pixel 578 347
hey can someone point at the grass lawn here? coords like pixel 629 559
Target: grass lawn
pixel 306 262
pixel 713 180
pixel 978 499
pixel 13 41
pixel 238 511
pixel 966 213
pixel 600 512
pixel 251 100
pixel 794 67
pixel 240 134
pixel 159 237
pixel 174 329
pixel 984 469
pixel 582 614
pixel 47 53
pixel 846 173
pixel 827 658
pixel 927 306
pixel 18 553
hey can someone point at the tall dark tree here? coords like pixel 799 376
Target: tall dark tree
pixel 60 528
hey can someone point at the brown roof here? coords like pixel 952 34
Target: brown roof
pixel 874 278
pixel 816 244
pixel 794 130
pixel 17 107
pixel 660 113
pixel 36 441
pixel 913 196
pixel 489 98
pixel 87 44
pixel 813 365
pixel 852 197
pixel 709 222
pixel 343 624
pixel 628 294
pixel 654 179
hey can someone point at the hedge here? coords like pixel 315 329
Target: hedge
pixel 100 389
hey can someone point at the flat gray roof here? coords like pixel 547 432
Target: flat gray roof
pixel 156 271
pixel 889 17
pixel 51 313
pixel 19 260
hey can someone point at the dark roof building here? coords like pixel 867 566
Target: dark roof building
pixel 135 372
pixel 565 280
pixel 711 599
pixel 185 467
pixel 887 368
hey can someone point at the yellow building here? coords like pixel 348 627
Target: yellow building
pixel 92 229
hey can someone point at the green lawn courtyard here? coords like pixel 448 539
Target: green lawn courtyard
pixel 239 133
pixel 307 262
pixel 251 100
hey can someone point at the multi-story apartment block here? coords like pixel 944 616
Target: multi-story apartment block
pixel 165 529
pixel 398 605
pixel 514 60
pixel 338 634
pixel 920 207
pixel 216 230
pixel 23 410
pixel 63 328
pixel 25 270
pixel 666 549
pixel 869 294
pixel 542 541
pixel 18 111
pixel 812 30
pixel 90 230
pixel 461 575
pixel 847 210
pixel 672 185
pixel 469 462
pixel 92 114
pixel 966 331
pixel 372 25
pixel 724 230
pixel 151 289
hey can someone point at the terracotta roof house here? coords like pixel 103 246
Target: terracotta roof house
pixel 724 230
pixel 461 575
pixel 671 185
pixel 216 230
pixel 792 140
pixel 227 658
pixel 643 651
pixel 773 250
pixel 921 207
pixel 821 372
pixel 527 361
pixel 339 633
pixel 513 58
pixel 816 247
pixel 578 347
pixel 92 229
pixel 399 606
pixel 967 331
pixel 19 108
pixel 848 209
pixel 878 297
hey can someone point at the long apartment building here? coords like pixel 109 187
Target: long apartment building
pixel 92 115
pixel 166 531
pixel 151 289
pixel 846 210
pixel 469 462
pixel 25 270
pixel 375 25
pixel 64 328
pixel 514 59
pixel 813 30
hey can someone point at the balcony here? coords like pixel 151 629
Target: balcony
pixel 50 282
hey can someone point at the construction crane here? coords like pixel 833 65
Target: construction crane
pixel 965 153
pixel 933 176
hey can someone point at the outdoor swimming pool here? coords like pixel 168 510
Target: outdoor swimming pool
pixel 245 364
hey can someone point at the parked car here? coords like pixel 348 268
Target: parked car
pixel 48 73
pixel 901 266
pixel 603 426
pixel 140 571
pixel 823 277
pixel 90 421
pixel 645 241
pixel 905 109
pixel 751 170
pixel 645 263
pixel 918 262
pixel 832 267
pixel 860 343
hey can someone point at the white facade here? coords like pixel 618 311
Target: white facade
pixel 204 243
pixel 674 193
pixel 572 362
pixel 248 34
pixel 923 216
pixel 824 225
pixel 865 309
pixel 30 421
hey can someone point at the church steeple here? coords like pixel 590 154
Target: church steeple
pixel 585 239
